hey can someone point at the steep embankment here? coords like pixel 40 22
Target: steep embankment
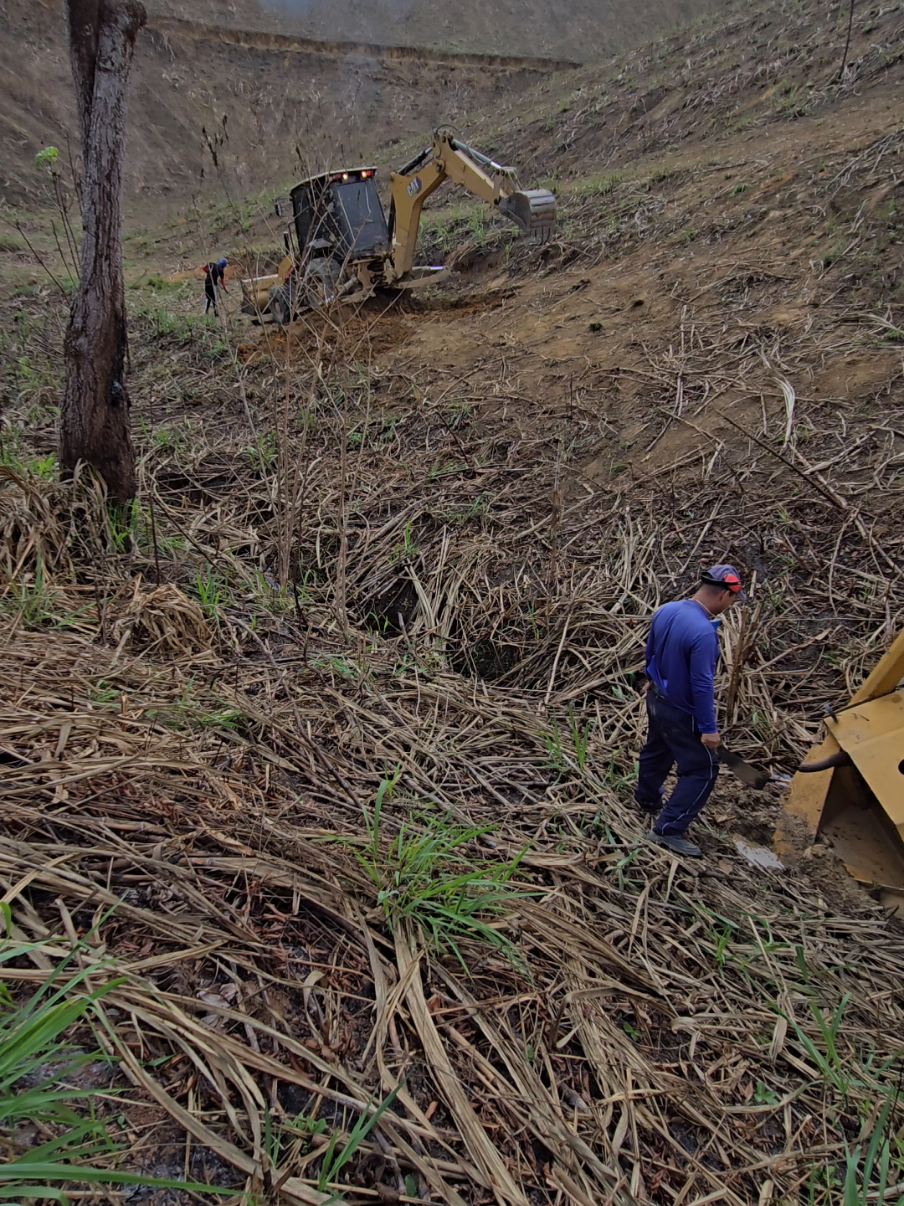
pixel 221 112
pixel 563 29
pixel 731 182
pixel 290 79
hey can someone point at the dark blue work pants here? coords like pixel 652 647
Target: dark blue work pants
pixel 673 737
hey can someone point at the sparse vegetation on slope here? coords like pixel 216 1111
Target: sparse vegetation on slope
pixel 580 30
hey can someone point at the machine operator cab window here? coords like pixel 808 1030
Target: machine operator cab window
pixel 342 211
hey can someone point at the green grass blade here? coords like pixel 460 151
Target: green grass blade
pixel 71 1145
pixel 884 1162
pixel 360 1131
pixel 21 1173
pixel 851 1193
pixel 42 1103
pixel 33 1192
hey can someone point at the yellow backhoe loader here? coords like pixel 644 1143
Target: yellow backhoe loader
pixel 340 245
pixel 851 788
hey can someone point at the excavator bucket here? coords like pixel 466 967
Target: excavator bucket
pixel 852 791
pixel 533 210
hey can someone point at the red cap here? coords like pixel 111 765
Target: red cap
pixel 725 576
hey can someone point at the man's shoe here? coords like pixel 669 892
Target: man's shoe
pixel 677 844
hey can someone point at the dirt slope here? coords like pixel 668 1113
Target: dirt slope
pixel 270 109
pixel 278 98
pixel 771 190
pixel 571 29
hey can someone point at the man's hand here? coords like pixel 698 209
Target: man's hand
pixel 646 686
pixel 712 741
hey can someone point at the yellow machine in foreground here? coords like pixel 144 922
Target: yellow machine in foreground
pixel 341 245
pixel 851 788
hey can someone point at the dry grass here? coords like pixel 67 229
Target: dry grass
pixel 361 576
pixel 665 1032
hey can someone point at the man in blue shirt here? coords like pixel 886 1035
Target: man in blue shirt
pixel 214 280
pixel 681 655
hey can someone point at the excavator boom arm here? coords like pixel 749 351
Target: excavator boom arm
pixel 534 211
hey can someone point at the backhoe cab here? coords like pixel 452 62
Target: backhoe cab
pixel 338 234
pixel 340 243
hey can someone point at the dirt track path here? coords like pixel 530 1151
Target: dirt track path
pixel 295 44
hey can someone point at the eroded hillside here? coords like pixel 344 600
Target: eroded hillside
pixel 225 114
pixel 342 721
pixel 286 99
pixel 584 30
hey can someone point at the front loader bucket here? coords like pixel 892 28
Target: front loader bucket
pixel 850 792
pixel 533 210
pixel 256 293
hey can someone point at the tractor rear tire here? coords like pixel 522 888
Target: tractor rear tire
pixel 280 309
pixel 321 279
pixel 283 304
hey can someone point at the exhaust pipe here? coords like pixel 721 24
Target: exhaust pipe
pixel 840 759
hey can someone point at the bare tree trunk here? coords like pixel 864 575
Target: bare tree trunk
pixel 847 44
pixel 94 421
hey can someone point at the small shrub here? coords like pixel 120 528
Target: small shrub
pixel 426 877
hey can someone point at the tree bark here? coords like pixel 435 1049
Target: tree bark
pixel 847 44
pixel 94 418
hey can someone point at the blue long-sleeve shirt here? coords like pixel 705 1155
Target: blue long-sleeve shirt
pixel 682 650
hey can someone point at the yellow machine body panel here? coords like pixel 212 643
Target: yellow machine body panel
pixel 807 795
pixel 859 807
pixel 256 289
pixel 873 734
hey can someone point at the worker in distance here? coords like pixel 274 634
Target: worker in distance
pixel 214 280
pixel 681 655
